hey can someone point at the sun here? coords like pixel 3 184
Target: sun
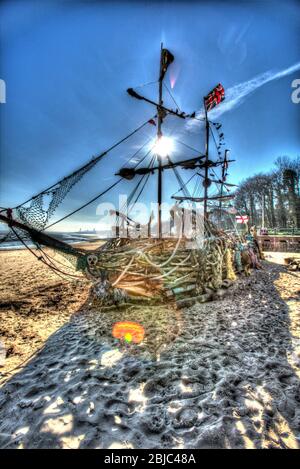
pixel 164 146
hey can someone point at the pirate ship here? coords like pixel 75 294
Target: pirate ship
pixel 184 265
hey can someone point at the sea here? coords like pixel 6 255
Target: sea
pixel 69 238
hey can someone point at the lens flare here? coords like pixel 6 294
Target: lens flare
pixel 128 337
pixel 128 331
pixel 164 146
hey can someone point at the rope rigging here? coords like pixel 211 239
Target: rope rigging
pixel 174 101
pixel 132 193
pixel 36 214
pixel 188 146
pixel 92 162
pixel 103 192
pixel 181 182
pixel 146 180
pixel 184 184
pixel 41 258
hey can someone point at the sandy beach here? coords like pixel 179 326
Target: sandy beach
pixel 225 374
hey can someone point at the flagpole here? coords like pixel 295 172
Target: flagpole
pixel 220 205
pixel 159 134
pixel 224 167
pixel 206 161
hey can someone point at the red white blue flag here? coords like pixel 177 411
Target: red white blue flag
pixel 215 97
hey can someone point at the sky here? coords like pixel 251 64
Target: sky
pixel 67 65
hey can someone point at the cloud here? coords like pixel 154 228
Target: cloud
pixel 237 94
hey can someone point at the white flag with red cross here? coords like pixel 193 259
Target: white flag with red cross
pixel 242 218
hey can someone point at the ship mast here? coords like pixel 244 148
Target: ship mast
pixel 159 135
pixel 212 99
pixel 206 180
pixel 219 213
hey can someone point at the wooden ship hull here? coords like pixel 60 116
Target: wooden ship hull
pixel 150 270
pixel 161 270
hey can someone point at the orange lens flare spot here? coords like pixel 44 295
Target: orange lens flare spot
pixel 128 337
pixel 128 331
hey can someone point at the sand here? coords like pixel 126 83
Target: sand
pixel 34 303
pixel 225 374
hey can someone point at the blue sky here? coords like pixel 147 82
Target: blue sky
pixel 67 65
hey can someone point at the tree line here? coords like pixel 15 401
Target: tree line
pixel 272 197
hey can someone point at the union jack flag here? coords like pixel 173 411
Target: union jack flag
pixel 215 97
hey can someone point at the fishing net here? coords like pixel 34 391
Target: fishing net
pixel 9 236
pixel 50 256
pixel 43 206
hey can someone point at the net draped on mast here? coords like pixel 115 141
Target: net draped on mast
pixel 37 214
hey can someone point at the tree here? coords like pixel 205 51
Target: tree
pixel 275 193
pixel 290 174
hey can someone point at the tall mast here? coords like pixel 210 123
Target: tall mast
pixel 221 194
pixel 220 204
pixel 206 161
pixel 263 212
pixel 159 134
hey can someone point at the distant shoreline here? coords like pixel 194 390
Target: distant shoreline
pixel 78 239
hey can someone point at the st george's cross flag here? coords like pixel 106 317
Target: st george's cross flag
pixel 242 218
pixel 215 97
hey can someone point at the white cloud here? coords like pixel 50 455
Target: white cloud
pixel 237 94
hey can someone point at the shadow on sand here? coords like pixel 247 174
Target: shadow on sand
pixel 212 376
